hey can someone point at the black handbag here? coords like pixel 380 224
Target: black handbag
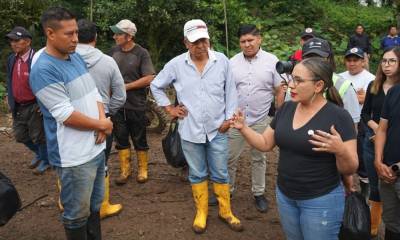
pixel 356 219
pixel 10 202
pixel 172 146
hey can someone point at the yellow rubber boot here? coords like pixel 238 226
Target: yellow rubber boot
pixel 125 166
pixel 225 213
pixel 107 209
pixel 60 206
pixel 142 159
pixel 200 196
pixel 376 216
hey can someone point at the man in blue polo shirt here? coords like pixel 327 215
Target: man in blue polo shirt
pixel 75 124
pixel 391 40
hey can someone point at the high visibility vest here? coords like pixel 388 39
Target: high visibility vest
pixel 341 84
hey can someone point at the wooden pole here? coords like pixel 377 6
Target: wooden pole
pixel 226 29
pixel 91 10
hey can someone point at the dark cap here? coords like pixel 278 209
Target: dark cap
pixel 308 32
pixel 18 33
pixel 356 51
pixel 317 46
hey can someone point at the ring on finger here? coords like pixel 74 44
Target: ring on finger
pixel 323 145
pixel 328 135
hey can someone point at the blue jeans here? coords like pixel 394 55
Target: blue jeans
pixel 209 157
pixel 317 218
pixel 369 157
pixel 40 150
pixel 82 190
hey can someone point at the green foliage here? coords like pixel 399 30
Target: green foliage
pixel 24 13
pixel 339 20
pixel 3 91
pixel 160 22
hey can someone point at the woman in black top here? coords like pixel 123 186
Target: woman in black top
pixel 317 143
pixel 387 151
pixel 371 114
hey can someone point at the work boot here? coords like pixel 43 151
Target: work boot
pixel 222 193
pixel 142 159
pixel 34 162
pixel 376 216
pixel 261 203
pixel 94 226
pixel 60 206
pixel 76 233
pixel 43 167
pixel 107 209
pixel 200 196
pixel 125 166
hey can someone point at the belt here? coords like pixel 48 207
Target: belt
pixel 25 103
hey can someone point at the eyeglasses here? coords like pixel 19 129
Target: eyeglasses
pixel 298 80
pixel 389 61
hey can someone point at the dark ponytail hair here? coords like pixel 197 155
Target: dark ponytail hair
pixel 322 70
pixel 333 95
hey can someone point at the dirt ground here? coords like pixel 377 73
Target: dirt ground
pixel 162 208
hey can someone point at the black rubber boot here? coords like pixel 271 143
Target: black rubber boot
pixel 93 226
pixel 76 233
pixel 389 235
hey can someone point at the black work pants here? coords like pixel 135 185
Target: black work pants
pixel 28 124
pixel 130 123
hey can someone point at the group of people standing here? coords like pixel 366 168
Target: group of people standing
pixel 77 96
pixel 375 148
pixel 86 98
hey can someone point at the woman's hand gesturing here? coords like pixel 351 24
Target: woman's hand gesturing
pixel 327 142
pixel 237 120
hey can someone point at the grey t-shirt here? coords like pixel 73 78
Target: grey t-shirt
pixel 134 64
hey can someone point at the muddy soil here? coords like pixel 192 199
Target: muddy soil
pixel 162 208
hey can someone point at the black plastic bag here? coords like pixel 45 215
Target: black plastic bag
pixel 10 202
pixel 172 146
pixel 356 219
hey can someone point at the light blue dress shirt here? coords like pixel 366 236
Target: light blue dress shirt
pixel 210 97
pixel 256 80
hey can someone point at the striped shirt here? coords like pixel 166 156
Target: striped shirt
pixel 62 87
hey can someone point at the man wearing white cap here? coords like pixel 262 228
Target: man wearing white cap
pixel 207 98
pixel 136 68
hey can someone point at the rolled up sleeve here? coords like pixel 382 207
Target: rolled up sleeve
pixel 161 82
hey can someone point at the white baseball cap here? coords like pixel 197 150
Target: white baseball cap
pixel 124 26
pixel 195 29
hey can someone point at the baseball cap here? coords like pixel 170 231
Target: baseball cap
pixel 124 26
pixel 195 29
pixel 18 33
pixel 356 51
pixel 308 32
pixel 316 46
